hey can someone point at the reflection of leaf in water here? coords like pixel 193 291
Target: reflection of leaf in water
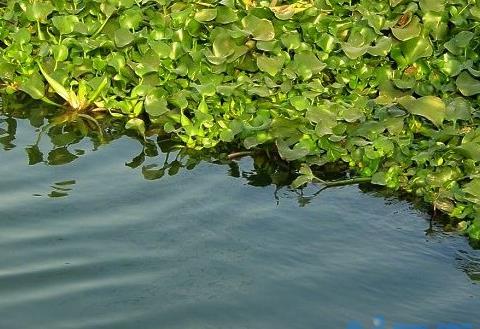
pixel 65 139
pixel 34 155
pixel 9 134
pixel 469 264
pixel 61 189
pixel 151 172
pixel 66 183
pixel 234 170
pixel 257 178
pixel 57 194
pixel 174 167
pixel 60 156
pixel 150 148
pixel 136 161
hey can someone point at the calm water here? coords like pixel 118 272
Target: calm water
pixel 92 244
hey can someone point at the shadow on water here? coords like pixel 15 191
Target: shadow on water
pixel 59 142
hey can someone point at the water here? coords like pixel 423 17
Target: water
pixel 92 244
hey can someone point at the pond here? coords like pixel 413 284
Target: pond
pixel 90 239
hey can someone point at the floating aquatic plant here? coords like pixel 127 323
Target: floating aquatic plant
pixel 390 87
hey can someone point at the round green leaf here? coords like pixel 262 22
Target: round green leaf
pixel 410 31
pixel 260 28
pixel 206 15
pixel 270 65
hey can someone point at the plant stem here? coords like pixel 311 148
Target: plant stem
pixel 344 182
pixel 239 154
pixel 101 27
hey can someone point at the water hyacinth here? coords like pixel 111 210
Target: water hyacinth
pixel 390 87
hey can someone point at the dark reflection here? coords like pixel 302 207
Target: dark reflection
pixel 469 264
pixel 63 131
pixel 61 189
pixel 8 129
pixel 438 223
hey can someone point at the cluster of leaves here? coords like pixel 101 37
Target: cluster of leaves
pixel 390 86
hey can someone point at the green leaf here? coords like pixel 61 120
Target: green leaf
pixel 260 28
pixel 291 154
pixel 33 86
pixel 123 37
pixel 223 46
pixel 65 24
pixel 430 107
pixel 227 135
pixel 156 104
pixel 450 65
pixel 136 124
pixel 457 44
pixel 470 150
pixel 7 71
pixel 131 18
pixel 271 65
pixel 58 87
pixel 291 40
pixel 458 109
pixel 301 180
pixel 382 47
pixel 285 12
pixel 416 48
pixel 467 85
pixel 226 15
pixel 98 84
pixel 39 10
pixel 432 5
pixel 306 64
pixel 22 36
pixel 354 52
pixel 162 49
pixel 300 103
pixel 60 52
pixel 474 230
pixel 433 22
pixel 410 31
pixel 473 188
pixel 379 178
pixel 206 15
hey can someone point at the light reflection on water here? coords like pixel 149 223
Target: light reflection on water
pixel 128 236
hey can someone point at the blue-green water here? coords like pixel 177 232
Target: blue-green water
pixel 203 249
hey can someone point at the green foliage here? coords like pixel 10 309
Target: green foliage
pixel 389 87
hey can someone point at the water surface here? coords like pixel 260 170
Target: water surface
pixel 92 244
